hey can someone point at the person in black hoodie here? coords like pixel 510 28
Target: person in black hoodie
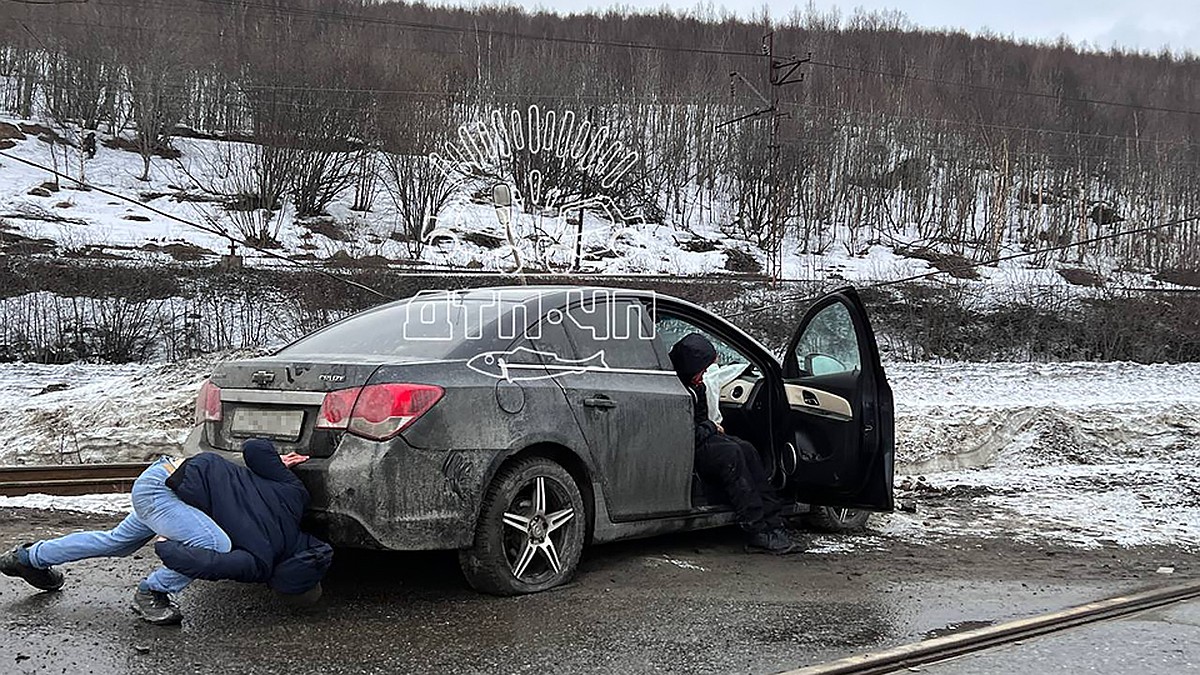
pixel 213 519
pixel 728 461
pixel 259 506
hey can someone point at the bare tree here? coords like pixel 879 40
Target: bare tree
pixel 155 103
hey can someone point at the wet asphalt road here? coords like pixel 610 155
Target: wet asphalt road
pixel 689 603
pixel 1163 640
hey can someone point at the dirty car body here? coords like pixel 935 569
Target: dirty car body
pixel 518 424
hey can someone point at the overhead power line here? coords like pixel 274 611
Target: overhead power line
pixel 794 299
pixel 156 30
pixel 203 228
pixel 615 99
pixel 173 92
pixel 471 30
pixel 1003 90
pixel 476 31
pixel 972 124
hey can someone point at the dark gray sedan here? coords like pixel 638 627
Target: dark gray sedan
pixel 516 425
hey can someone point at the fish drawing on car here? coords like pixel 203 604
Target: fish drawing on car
pixel 530 364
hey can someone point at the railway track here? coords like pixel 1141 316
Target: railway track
pixel 68 479
pixel 912 656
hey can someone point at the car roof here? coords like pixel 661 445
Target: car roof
pixel 559 295
pixel 521 294
pixel 549 296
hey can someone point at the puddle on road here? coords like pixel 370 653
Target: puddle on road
pixel 959 627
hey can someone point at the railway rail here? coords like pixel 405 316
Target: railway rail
pixel 68 479
pixel 912 656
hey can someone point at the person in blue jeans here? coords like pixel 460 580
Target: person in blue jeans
pixel 161 511
pixel 157 512
pixel 260 506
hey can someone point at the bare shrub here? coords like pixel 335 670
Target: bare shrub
pixel 47 328
pixel 114 329
pixel 251 179
pixel 366 177
pixel 321 175
pixel 419 190
pixel 156 107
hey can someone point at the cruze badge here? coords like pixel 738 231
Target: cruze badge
pixel 331 377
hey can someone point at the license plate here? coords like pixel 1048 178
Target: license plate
pixel 279 424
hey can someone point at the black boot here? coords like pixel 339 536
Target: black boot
pixel 774 541
pixel 11 564
pixel 156 607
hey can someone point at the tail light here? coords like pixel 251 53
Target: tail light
pixel 208 403
pixel 377 411
pixel 336 409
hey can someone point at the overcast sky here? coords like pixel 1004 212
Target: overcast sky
pixel 1146 25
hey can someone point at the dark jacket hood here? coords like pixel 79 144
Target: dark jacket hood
pixel 692 355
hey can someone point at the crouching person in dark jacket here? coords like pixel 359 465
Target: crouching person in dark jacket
pixel 727 461
pixel 259 506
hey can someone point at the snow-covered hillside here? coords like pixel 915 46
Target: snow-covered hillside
pixel 196 188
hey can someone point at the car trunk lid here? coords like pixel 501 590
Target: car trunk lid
pixel 280 400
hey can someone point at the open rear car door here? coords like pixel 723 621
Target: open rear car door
pixel 840 427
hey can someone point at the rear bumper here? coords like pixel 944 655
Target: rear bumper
pixel 388 495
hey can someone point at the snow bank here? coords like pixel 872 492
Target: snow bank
pixel 95 413
pixel 955 416
pixel 1079 453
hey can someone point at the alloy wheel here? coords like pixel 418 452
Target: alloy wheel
pixel 538 521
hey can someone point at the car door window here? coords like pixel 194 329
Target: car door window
pixel 829 344
pixel 635 418
pixel 617 329
pixel 549 342
pixel 672 329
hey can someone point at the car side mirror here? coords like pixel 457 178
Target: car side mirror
pixel 820 364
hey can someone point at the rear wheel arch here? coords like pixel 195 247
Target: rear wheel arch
pixel 529 535
pixel 568 459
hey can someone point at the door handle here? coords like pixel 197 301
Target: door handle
pixel 810 399
pixel 599 402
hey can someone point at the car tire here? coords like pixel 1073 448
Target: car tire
pixel 837 520
pixel 525 543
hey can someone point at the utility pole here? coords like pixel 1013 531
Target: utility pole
pixel 780 73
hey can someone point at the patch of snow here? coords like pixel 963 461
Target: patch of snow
pixel 1076 383
pixel 117 504
pixel 681 564
pixel 838 544
pixel 96 413
pixel 959 416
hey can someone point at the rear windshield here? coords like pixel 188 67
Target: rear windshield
pixel 421 328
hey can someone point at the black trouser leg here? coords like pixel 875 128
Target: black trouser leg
pixel 758 476
pixel 722 461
